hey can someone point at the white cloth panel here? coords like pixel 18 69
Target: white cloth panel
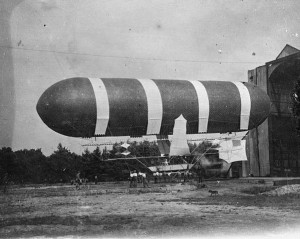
pixel 245 105
pixel 179 145
pixel 125 145
pixel 173 167
pixel 102 105
pixel 232 152
pixel 203 103
pixel 126 152
pixel 155 108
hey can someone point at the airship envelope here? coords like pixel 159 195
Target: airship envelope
pixel 95 107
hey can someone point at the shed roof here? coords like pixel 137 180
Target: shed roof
pixel 287 50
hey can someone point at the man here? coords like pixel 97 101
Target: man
pixel 78 180
pixel 191 176
pixel 78 176
pixel 155 177
pixel 185 176
pixel 169 177
pixel 160 177
pixel 5 182
pixel 144 180
pixel 178 177
pixel 200 172
pixel 140 177
pixel 134 176
pixel 131 179
pixel 164 176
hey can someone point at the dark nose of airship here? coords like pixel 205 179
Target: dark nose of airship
pixel 69 107
pixel 260 105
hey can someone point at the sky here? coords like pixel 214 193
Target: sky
pixel 45 41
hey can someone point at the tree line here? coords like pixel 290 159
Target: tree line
pixel 32 166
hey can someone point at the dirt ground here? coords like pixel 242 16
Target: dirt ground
pixel 164 210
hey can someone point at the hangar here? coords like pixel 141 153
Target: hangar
pixel 273 148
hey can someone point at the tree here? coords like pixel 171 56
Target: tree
pixel 62 165
pixel 31 164
pixel 8 164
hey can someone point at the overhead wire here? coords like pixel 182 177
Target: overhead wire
pixel 129 57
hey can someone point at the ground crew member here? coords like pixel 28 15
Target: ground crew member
pixel 165 176
pixel 144 180
pixel 131 179
pixel 134 175
pixel 185 176
pixel 78 177
pixel 155 177
pixel 78 180
pixel 5 182
pixel 140 177
pixel 191 175
pixel 178 177
pixel 169 177
pixel 160 177
pixel 200 174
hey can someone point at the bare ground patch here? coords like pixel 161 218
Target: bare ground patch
pixel 179 211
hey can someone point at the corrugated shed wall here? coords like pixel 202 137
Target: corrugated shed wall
pixel 263 129
pixel 252 144
pixel 258 139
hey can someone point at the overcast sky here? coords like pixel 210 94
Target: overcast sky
pixel 46 41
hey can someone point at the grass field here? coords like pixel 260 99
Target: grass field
pixel 113 210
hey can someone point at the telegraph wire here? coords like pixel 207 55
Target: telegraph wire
pixel 129 57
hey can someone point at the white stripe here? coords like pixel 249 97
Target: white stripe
pixel 245 105
pixel 203 103
pixel 155 108
pixel 101 104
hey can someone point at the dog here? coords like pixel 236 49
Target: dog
pixel 213 192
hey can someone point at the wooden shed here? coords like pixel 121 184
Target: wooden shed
pixel 273 148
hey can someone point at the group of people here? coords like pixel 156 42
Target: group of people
pixel 178 176
pixel 79 181
pixel 161 177
pixel 138 177
pixel 158 177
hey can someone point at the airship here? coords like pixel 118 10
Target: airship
pixel 104 107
